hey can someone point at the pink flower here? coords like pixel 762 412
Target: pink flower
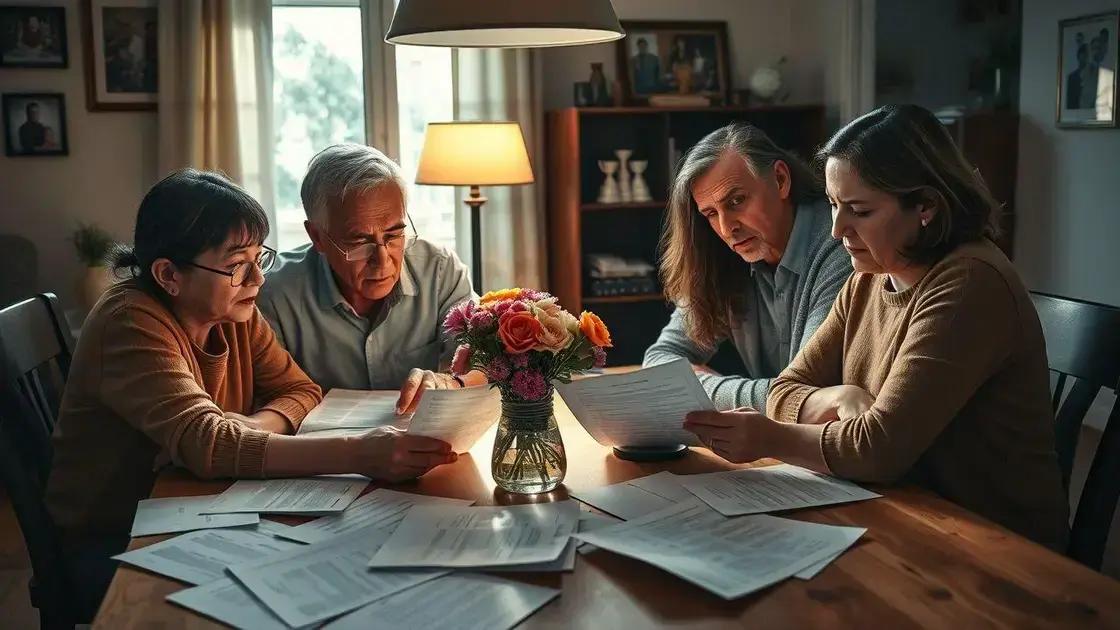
pixel 533 295
pixel 498 369
pixel 461 364
pixel 504 306
pixel 521 360
pixel 481 321
pixel 600 356
pixel 529 385
pixel 455 323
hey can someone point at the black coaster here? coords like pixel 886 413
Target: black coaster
pixel 650 453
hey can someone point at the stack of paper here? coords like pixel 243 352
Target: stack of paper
pixel 319 495
pixel 642 408
pixel 182 514
pixel 730 557
pixel 354 411
pixel 770 489
pixel 473 537
pixel 637 497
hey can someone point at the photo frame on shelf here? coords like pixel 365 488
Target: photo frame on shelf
pixel 679 58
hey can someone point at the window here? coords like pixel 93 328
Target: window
pixel 318 101
pixel 317 96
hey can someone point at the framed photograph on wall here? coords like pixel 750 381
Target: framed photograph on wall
pixel 122 54
pixel 1087 64
pixel 687 58
pixel 34 124
pixel 33 37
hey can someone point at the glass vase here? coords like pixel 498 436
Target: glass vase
pixel 528 452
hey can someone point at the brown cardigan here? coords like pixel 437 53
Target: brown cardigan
pixel 140 391
pixel 957 366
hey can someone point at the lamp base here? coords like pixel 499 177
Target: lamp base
pixel 650 453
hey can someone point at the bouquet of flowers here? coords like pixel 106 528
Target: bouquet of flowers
pixel 523 340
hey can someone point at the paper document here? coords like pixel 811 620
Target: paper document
pixel 589 522
pixel 325 579
pixel 456 602
pixel 202 556
pixel 642 408
pixel 381 508
pixel 353 409
pixel 769 489
pixel 730 557
pixel 812 570
pixel 318 495
pixel 227 601
pixel 474 537
pixel 457 416
pixel 636 497
pixel 182 514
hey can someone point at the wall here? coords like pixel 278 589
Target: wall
pixel 760 32
pixel 112 162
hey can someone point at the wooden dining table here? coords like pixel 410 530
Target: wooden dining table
pixel 923 563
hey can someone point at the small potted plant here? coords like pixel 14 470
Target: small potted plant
pixel 92 245
pixel 523 341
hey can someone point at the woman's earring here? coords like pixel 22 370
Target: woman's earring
pixel 174 291
pixel 925 222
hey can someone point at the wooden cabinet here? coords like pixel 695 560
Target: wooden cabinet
pixel 577 139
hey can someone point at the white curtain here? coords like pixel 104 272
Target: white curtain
pixel 502 84
pixel 215 95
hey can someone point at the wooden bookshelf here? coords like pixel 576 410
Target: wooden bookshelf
pixel 578 225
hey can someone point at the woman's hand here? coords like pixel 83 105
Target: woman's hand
pixel 390 454
pixel 419 381
pixel 839 402
pixel 737 436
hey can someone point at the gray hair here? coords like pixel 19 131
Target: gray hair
pixel 341 169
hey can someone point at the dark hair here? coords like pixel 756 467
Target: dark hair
pixel 186 213
pixel 905 151
pixel 27 110
pixel 697 268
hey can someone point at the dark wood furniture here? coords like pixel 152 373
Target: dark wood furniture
pixel 578 225
pixel 35 351
pixel 923 563
pixel 1083 343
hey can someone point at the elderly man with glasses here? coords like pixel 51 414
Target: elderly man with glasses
pixel 361 306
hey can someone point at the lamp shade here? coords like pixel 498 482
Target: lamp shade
pixel 503 23
pixel 474 154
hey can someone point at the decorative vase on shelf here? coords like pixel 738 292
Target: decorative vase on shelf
pixel 624 191
pixel 639 189
pixel 528 455
pixel 608 192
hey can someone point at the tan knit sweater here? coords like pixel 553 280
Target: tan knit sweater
pixel 957 366
pixel 140 391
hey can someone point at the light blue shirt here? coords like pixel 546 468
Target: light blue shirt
pixel 339 348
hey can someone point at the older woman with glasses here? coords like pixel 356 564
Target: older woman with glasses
pixel 177 365
pixel 362 305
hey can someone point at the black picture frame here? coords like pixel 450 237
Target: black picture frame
pixel 15 107
pixel 1088 50
pixel 705 65
pixel 46 48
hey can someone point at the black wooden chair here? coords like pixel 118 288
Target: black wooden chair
pixel 1083 344
pixel 35 351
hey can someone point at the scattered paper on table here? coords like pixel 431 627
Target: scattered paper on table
pixel 382 508
pixel 730 557
pixel 456 416
pixel 642 408
pixel 463 601
pixel 227 601
pixel 316 495
pixel 182 514
pixel 770 489
pixel 636 497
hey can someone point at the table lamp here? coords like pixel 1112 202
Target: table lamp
pixel 488 153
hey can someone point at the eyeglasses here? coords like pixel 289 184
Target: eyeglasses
pixel 241 270
pixel 365 251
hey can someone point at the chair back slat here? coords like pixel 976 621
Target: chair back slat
pixel 35 354
pixel 1083 343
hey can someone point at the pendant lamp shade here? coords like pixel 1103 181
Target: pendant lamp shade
pixel 503 23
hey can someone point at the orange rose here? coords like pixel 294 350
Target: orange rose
pixel 594 329
pixel 518 331
pixel 503 294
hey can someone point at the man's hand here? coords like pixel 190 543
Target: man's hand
pixel 419 381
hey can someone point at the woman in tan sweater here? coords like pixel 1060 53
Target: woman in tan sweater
pixel 931 367
pixel 177 365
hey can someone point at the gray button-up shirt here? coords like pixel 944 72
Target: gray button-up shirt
pixel 783 306
pixel 337 347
